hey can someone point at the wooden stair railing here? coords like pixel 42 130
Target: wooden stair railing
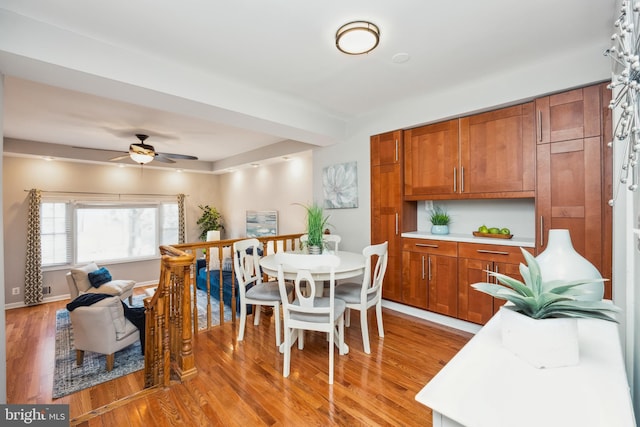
pixel 168 334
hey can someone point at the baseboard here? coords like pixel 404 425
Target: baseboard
pixel 461 325
pixel 66 296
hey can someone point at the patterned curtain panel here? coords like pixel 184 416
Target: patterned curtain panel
pixel 33 270
pixel 180 218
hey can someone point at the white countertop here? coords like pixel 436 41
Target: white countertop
pixel 485 385
pixel 525 242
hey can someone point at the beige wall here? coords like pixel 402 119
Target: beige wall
pixel 270 187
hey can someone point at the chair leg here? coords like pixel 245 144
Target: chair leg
pixel 286 366
pixel 364 325
pixel 110 360
pixel 79 357
pixel 331 355
pixel 276 313
pixel 243 321
pixel 347 317
pixel 256 314
pixel 379 317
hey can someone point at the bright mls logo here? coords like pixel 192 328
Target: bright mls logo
pixel 34 415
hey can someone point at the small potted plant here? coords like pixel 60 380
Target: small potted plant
pixel 316 222
pixel 440 220
pixel 540 323
pixel 210 220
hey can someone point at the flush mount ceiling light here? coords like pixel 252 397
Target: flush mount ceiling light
pixel 357 37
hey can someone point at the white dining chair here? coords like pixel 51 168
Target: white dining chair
pixel 331 241
pixel 362 296
pixel 308 311
pixel 252 289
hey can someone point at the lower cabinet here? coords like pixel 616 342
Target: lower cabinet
pixel 437 276
pixel 430 275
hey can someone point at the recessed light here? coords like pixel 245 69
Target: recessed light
pixel 255 165
pixel 48 159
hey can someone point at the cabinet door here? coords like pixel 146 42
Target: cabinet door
pixel 431 159
pixel 473 306
pixel 386 206
pixel 497 151
pixel 569 195
pixel 569 115
pixel 442 275
pixel 415 290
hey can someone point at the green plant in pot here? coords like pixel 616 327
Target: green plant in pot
pixel 210 220
pixel 440 220
pixel 316 222
pixel 539 325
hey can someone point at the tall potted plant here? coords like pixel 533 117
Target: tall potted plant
pixel 210 220
pixel 540 323
pixel 316 222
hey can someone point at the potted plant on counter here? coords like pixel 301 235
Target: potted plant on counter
pixel 539 325
pixel 440 220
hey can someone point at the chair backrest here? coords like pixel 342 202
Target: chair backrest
pixel 373 277
pixel 305 285
pixel 246 264
pixel 331 241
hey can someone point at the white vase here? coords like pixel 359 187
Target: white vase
pixel 560 261
pixel 543 343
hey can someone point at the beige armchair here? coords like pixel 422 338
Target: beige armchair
pixel 78 282
pixel 102 328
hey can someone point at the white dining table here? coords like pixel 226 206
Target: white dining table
pixel 351 265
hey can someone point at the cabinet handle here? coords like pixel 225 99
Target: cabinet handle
pixel 429 268
pixel 455 180
pixel 396 223
pixel 426 245
pixel 485 251
pixel 462 179
pixel 396 150
pixel 487 270
pixel 422 267
pixel 541 231
pixel 540 125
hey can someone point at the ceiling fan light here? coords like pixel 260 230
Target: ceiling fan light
pixel 140 158
pixel 358 37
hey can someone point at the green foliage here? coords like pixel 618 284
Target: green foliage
pixel 539 300
pixel 316 222
pixel 209 220
pixel 439 216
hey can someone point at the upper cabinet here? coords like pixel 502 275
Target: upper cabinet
pixel 488 155
pixel 575 114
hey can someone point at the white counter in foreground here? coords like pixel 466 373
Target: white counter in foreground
pixel 525 242
pixel 485 385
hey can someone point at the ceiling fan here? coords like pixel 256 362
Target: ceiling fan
pixel 142 153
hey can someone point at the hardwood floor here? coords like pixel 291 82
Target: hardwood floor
pixel 241 383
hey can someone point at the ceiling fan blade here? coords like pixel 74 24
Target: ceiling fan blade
pixel 177 156
pixel 162 159
pixel 115 159
pixel 98 149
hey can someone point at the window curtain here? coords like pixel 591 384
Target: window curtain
pixel 180 218
pixel 33 269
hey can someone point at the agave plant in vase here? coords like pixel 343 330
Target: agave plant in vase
pixel 539 325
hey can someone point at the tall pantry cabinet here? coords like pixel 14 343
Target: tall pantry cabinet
pixel 573 174
pixel 390 214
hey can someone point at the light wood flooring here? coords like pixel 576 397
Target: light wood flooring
pixel 241 383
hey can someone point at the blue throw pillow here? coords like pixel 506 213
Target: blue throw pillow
pixel 99 277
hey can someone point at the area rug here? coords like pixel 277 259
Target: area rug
pixel 69 378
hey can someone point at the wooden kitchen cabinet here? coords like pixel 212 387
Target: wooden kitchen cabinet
pixel 475 261
pixel 430 275
pixel 569 115
pixel 432 157
pixel 497 153
pixel 573 175
pixel 390 214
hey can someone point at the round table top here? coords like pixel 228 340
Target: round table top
pixel 351 265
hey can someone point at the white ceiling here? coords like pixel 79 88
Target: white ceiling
pixel 219 79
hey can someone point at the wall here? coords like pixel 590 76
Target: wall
pixel 3 334
pixel 276 186
pixel 21 174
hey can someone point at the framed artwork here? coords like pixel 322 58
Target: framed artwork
pixel 340 185
pixel 262 223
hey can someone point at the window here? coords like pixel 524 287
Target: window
pixel 105 231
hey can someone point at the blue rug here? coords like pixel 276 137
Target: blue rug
pixel 69 378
